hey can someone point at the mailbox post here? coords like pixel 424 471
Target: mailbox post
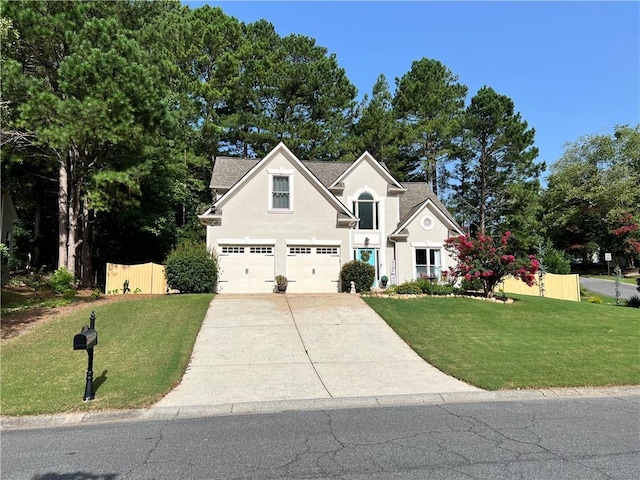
pixel 86 340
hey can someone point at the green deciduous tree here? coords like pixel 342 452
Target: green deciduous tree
pixel 592 201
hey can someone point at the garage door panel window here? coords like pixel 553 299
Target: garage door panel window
pixel 231 250
pixel 327 251
pixel 299 250
pixel 428 262
pixel 261 250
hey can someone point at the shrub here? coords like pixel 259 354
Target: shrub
pixel 62 280
pixel 360 273
pixel 595 299
pixel 471 285
pixel 190 268
pixel 556 262
pixel 638 282
pixel 633 302
pixel 446 289
pixel 425 286
pixel 69 294
pixel 408 288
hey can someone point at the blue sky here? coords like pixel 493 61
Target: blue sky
pixel 571 68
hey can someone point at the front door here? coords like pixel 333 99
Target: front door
pixel 370 256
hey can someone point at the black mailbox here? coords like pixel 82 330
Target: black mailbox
pixel 86 339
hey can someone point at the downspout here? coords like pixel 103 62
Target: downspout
pixel 395 262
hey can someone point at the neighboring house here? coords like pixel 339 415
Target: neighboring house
pixel 9 217
pixel 280 215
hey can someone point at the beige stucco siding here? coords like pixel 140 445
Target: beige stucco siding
pixel 364 177
pixel 420 237
pixel 246 216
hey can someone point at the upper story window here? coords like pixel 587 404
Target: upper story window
pixel 280 191
pixel 367 210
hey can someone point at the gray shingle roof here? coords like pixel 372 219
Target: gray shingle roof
pixel 227 171
pixel 327 172
pixel 417 193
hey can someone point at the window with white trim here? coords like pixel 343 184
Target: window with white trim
pixel 281 193
pixel 428 262
pixel 299 250
pixel 230 250
pixel 327 250
pixel 264 250
pixel 366 209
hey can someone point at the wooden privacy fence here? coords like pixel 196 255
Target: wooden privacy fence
pixel 145 278
pixel 563 287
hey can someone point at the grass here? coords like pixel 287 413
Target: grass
pixel 629 280
pixel 143 349
pixel 13 301
pixel 532 343
pixel 587 295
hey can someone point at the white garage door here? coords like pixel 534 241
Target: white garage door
pixel 313 269
pixel 245 269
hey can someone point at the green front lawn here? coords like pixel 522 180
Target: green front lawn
pixel 629 280
pixel 143 349
pixel 531 343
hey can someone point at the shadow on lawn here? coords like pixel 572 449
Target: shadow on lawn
pixel 98 381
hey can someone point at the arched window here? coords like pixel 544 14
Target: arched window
pixel 367 210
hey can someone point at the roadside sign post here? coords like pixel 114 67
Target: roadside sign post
pixel 607 257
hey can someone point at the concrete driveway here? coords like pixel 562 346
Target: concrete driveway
pixel 257 348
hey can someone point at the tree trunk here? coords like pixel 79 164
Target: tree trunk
pixel 87 253
pixel 63 213
pixel 434 176
pixel 74 213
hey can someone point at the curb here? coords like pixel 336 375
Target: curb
pixel 169 413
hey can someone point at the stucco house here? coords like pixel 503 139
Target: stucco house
pixel 303 219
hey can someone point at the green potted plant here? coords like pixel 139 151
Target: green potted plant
pixel 281 283
pixel 383 280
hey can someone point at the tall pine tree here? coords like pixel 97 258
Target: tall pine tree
pixel 496 178
pixel 429 102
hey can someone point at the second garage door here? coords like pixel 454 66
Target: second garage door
pixel 313 269
pixel 245 269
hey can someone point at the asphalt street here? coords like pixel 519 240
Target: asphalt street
pixel 563 438
pixel 608 287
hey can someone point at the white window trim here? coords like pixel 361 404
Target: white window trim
pixel 312 241
pixel 280 172
pixel 377 200
pixel 246 241
pixel 426 246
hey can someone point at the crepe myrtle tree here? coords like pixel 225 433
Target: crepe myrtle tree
pixel 489 261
